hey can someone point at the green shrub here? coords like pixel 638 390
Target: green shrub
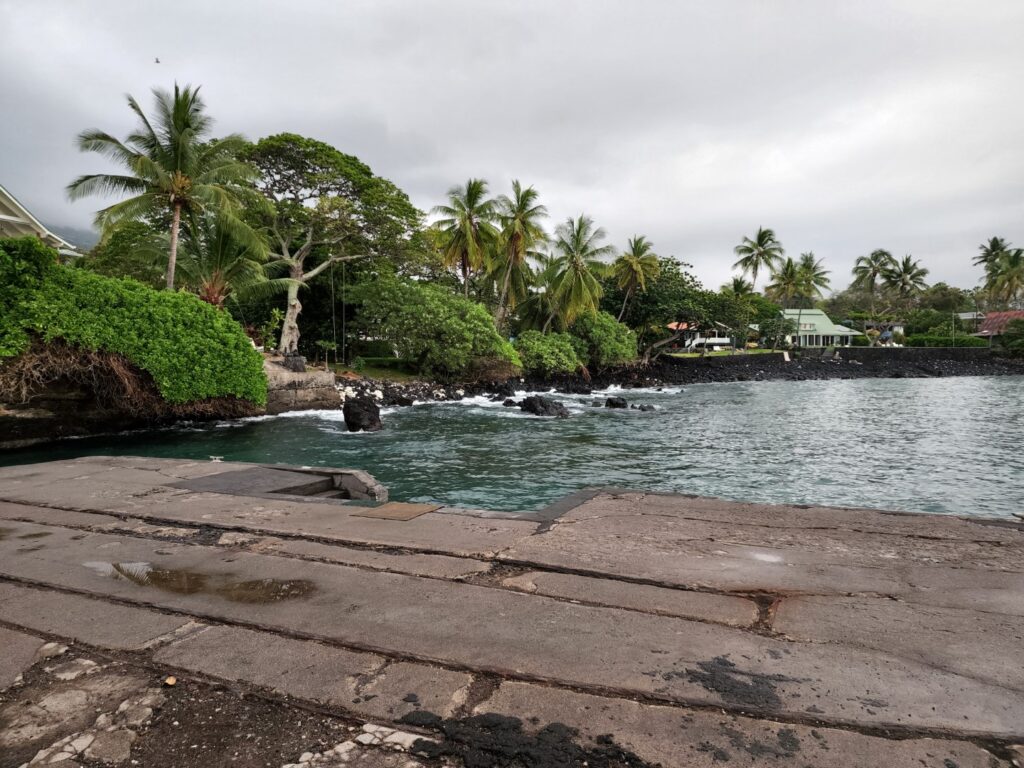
pixel 447 335
pixel 390 363
pixel 192 350
pixel 860 341
pixel 544 355
pixel 606 341
pixel 1013 337
pixel 924 340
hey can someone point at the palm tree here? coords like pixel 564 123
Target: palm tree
pixel 539 310
pixel 990 252
pixel 521 233
pixel 761 252
pixel 468 224
pixel 813 281
pixel 216 266
pixel 786 283
pixel 814 277
pixel 1006 277
pixel 172 168
pixel 637 264
pixel 905 278
pixel 576 289
pixel 739 287
pixel 867 270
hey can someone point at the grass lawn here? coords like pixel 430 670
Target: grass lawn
pixel 725 353
pixel 372 372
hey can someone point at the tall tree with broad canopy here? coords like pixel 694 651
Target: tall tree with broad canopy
pixel 634 268
pixel 762 252
pixel 521 234
pixel 468 225
pixel 322 207
pixel 172 168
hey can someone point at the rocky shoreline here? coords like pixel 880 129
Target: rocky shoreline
pixel 668 371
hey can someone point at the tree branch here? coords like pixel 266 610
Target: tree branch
pixel 334 259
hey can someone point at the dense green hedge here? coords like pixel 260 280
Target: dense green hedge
pixel 924 340
pixel 1013 337
pixel 605 341
pixel 447 335
pixel 192 350
pixel 543 355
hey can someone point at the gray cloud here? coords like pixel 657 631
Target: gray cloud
pixel 845 126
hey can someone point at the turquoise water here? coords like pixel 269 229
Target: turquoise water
pixel 930 445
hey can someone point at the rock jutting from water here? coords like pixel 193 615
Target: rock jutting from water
pixel 539 405
pixel 362 414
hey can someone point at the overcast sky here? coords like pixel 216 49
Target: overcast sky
pixel 845 126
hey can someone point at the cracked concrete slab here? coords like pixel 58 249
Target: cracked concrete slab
pixel 364 683
pixel 723 609
pixel 508 633
pixel 710 739
pixel 957 640
pixel 654 538
pixel 96 622
pixel 870 625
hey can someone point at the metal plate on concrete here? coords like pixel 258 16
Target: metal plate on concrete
pixel 397 510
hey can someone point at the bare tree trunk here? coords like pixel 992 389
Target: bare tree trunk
pixel 465 276
pixel 625 301
pixel 290 328
pixel 499 313
pixel 646 357
pixel 172 258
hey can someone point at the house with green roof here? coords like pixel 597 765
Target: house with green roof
pixel 815 329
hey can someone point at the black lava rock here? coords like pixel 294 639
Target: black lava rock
pixel 544 406
pixel 362 415
pixel 294 363
pixel 510 403
pixel 615 402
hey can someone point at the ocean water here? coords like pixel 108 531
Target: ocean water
pixel 950 445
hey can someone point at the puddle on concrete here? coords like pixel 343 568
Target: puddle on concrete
pixel 183 581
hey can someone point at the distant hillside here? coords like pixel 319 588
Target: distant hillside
pixel 81 237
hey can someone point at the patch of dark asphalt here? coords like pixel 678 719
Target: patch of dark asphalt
pixel 215 727
pixel 735 686
pixel 497 741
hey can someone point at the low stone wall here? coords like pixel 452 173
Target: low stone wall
pixel 915 354
pixel 290 391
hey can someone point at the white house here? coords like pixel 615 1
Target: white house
pixel 815 329
pixel 16 221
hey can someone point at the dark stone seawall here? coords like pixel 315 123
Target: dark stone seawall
pixel 849 363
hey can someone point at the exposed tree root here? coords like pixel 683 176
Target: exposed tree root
pixel 114 383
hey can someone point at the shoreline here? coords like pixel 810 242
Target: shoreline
pixel 874 363
pixel 664 372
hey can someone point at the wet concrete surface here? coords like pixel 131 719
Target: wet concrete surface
pixel 687 631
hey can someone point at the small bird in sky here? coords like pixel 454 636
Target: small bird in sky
pixel 156 60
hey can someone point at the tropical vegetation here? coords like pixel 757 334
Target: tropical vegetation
pixel 191 351
pixel 313 253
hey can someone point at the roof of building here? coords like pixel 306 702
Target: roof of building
pixel 995 322
pixel 971 315
pixel 814 321
pixel 17 221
